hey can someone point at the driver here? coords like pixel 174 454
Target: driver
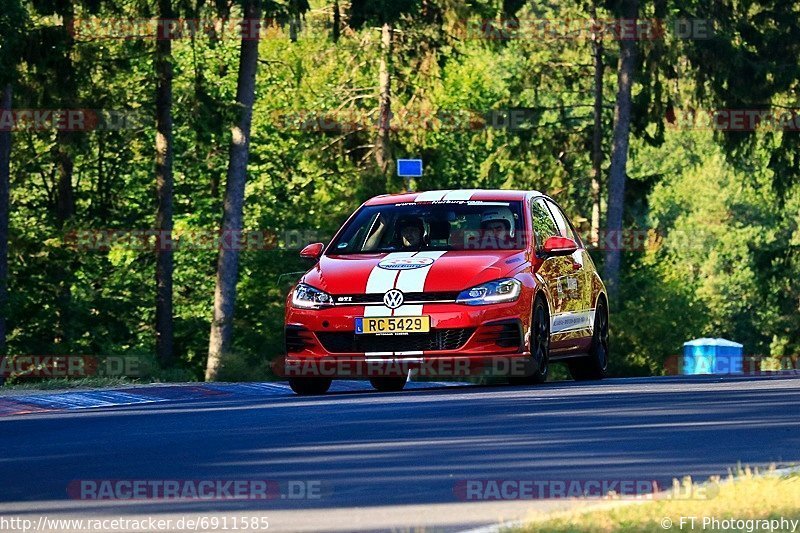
pixel 410 233
pixel 498 222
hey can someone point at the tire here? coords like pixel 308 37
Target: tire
pixel 539 364
pixel 309 386
pixel 388 384
pixel 595 365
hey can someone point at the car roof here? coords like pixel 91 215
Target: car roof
pixel 453 194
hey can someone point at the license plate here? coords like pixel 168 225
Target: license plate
pixel 393 324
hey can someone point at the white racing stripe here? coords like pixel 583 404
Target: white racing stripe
pixel 408 310
pixel 430 196
pixel 377 310
pixel 462 194
pixel 436 196
pixel 381 280
pixel 414 281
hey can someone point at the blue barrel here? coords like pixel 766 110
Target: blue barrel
pixel 712 356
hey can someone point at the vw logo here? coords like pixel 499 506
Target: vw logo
pixel 393 299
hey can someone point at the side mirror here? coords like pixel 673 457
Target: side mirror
pixel 556 246
pixel 312 251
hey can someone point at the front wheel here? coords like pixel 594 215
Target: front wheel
pixel 540 346
pixel 389 384
pixel 310 386
pixel 595 365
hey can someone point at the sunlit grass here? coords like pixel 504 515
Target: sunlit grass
pixel 744 495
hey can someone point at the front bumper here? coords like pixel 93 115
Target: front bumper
pixel 464 341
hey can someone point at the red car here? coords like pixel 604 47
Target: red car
pixel 454 280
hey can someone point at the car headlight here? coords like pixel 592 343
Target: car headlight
pixel 307 297
pixel 493 292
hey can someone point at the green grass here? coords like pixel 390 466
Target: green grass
pixel 744 496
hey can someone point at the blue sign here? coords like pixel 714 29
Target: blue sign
pixel 409 168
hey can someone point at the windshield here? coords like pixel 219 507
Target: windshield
pixel 456 225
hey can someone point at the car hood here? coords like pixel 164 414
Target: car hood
pixel 411 272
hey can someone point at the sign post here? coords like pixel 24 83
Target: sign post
pixel 409 168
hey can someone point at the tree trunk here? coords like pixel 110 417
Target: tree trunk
pixel 337 21
pixel 164 189
pixel 383 157
pixel 597 134
pixel 619 150
pixel 65 192
pixel 294 27
pixel 62 153
pixel 5 179
pixel 228 260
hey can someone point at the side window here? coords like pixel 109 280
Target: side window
pixel 544 226
pixel 564 229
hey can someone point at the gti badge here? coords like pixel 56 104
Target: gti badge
pixel 405 263
pixel 393 299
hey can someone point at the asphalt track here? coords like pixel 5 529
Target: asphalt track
pixel 395 461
